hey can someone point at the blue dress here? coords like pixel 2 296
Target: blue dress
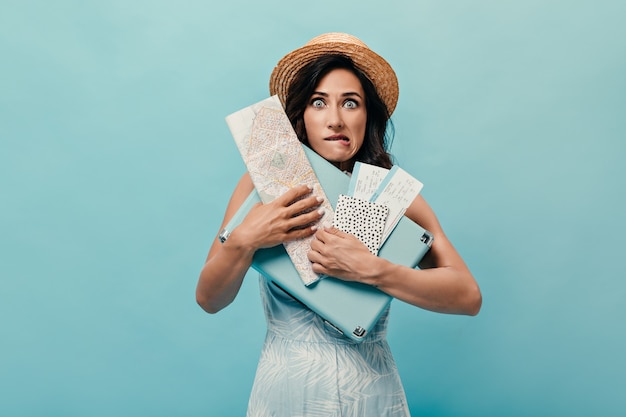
pixel 307 369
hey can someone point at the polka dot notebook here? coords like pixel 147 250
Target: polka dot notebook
pixel 363 219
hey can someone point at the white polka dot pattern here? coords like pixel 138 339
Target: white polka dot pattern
pixel 363 219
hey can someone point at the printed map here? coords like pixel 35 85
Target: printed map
pixel 276 162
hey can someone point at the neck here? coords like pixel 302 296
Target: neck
pixel 345 166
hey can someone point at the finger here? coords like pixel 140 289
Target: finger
pixel 305 204
pixel 321 235
pixel 316 246
pixel 293 194
pixel 334 231
pixel 315 257
pixel 319 269
pixel 305 219
pixel 301 233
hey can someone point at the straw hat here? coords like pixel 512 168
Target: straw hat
pixel 373 65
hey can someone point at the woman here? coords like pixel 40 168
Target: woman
pixel 338 95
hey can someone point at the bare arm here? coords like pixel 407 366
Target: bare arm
pixel 444 284
pixel 289 217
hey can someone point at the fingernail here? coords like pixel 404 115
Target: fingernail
pixel 320 199
pixel 314 227
pixel 321 211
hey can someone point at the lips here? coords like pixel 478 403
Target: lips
pixel 341 138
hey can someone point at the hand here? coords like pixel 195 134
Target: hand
pixel 292 216
pixel 340 255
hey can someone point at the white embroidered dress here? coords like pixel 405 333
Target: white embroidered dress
pixel 307 369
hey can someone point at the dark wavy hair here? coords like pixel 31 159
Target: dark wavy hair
pixel 378 130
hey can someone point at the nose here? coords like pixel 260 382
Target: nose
pixel 335 121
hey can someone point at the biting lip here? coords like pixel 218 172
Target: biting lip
pixel 338 137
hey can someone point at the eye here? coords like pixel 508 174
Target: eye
pixel 318 103
pixel 350 104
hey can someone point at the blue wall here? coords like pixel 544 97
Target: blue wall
pixel 116 165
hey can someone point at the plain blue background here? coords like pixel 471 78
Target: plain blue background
pixel 116 165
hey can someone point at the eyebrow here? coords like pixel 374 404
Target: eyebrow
pixel 346 94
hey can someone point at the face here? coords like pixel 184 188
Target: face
pixel 335 117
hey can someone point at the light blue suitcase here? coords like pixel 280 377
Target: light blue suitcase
pixel 351 308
